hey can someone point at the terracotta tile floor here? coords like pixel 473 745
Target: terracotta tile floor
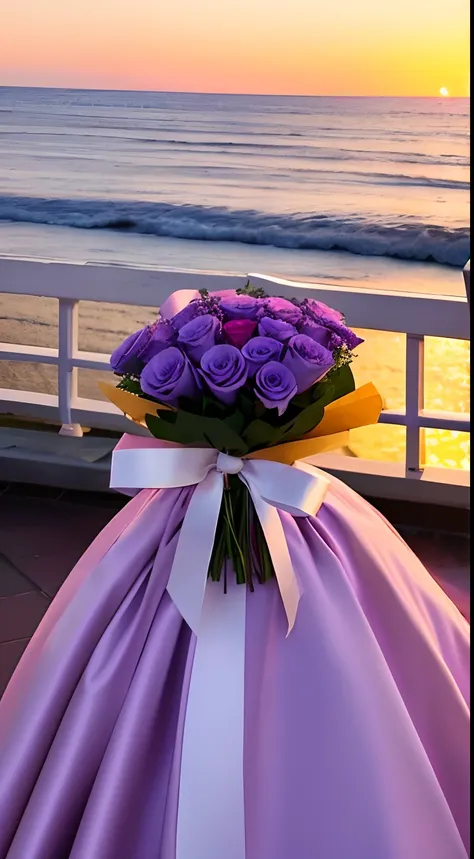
pixel 43 532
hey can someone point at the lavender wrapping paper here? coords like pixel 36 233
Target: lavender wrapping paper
pixel 356 725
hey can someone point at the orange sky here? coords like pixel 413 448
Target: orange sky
pixel 327 47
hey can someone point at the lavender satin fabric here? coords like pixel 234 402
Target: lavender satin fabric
pixel 356 725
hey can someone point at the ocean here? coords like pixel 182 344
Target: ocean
pixel 359 191
pixel 370 176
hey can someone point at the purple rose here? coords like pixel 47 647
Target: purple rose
pixel 307 360
pixel 126 359
pixel 198 335
pixel 239 331
pixel 276 328
pixel 281 308
pixel 318 333
pixel 321 312
pixel 169 376
pixel 162 335
pixel 185 315
pixel 241 307
pixel 261 350
pixel 225 371
pixel 275 385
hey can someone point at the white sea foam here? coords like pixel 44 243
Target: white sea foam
pixel 403 240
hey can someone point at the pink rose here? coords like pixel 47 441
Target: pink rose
pixel 239 331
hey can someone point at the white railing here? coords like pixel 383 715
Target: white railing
pixel 415 315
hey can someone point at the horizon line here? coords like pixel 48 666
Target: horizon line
pixel 238 94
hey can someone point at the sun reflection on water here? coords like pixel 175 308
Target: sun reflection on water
pixel 381 359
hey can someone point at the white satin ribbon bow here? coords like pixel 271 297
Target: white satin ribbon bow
pixel 297 489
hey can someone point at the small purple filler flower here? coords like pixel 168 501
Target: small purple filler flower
pixel 261 350
pixel 225 371
pixel 276 328
pixel 275 385
pixel 241 307
pixel 344 336
pixel 169 376
pixel 126 358
pixel 198 335
pixel 307 360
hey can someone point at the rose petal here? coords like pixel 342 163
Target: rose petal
pixel 125 359
pixel 225 371
pixel 281 308
pixel 169 376
pixel 308 361
pixel 241 307
pixel 198 335
pixel 275 386
pixel 239 331
pixel 276 328
pixel 261 350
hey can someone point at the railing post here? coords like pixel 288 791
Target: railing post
pixel 67 374
pixel 467 280
pixel 414 402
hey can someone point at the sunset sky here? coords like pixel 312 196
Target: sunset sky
pixel 320 47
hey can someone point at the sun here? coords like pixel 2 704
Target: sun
pixel 444 92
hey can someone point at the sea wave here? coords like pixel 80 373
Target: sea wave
pixel 401 239
pixel 305 149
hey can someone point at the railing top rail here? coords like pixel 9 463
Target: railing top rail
pixel 421 314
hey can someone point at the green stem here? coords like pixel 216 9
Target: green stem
pixel 238 557
pixel 265 558
pixel 218 553
pixel 245 536
pixel 237 526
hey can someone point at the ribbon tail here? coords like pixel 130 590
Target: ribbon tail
pixel 188 577
pixel 211 809
pixel 278 548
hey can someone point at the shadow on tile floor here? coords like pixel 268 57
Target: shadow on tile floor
pixel 41 539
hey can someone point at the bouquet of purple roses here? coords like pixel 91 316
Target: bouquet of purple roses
pixel 239 372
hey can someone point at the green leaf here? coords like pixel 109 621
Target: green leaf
pixel 196 429
pixel 236 422
pixel 223 437
pixel 302 401
pixel 168 416
pixel 253 291
pixel 130 385
pixel 261 434
pixel 308 419
pixel 246 403
pixel 212 408
pixel 342 380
